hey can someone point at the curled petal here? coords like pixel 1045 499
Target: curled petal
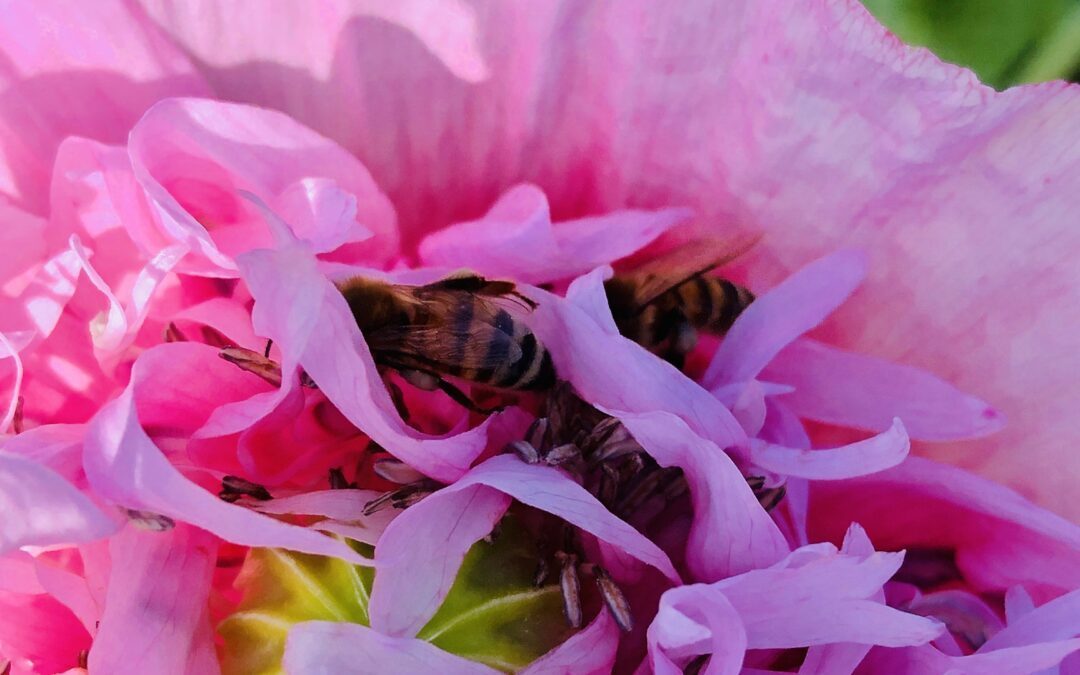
pixel 778 317
pixel 156 617
pixel 694 620
pixel 40 508
pixel 853 390
pixel 875 454
pixel 516 239
pixel 352 649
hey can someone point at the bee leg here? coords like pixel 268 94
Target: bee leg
pixel 266 351
pixel 459 396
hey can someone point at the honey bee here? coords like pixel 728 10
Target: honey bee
pixel 664 305
pixel 459 326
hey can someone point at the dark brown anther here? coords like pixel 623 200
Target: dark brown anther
pixel 648 483
pixel 253 362
pixel 570 585
pixel 562 454
pixel 17 418
pixel 148 520
pixel 398 397
pixel 770 497
pixel 525 451
pixel 215 338
pixel 235 485
pixel 614 598
pixel 378 503
pixel 395 471
pixel 696 665
pixel 306 381
pixel 337 479
pixel 409 497
pixel 609 485
pixel 401 498
pixel 173 334
pixel 541 573
pixel 755 482
pixel 84 658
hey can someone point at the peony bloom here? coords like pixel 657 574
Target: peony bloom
pixel 178 500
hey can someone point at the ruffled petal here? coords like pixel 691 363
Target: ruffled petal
pixel 516 239
pixel 999 538
pixel 1056 620
pixel 695 620
pixel 874 454
pixel 329 647
pixel 62 79
pixel 193 157
pixel 731 533
pixel 123 465
pixel 40 508
pixel 156 605
pixel 852 390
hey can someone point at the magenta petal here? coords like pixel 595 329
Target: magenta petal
pixel 311 323
pixel 853 390
pixel 124 465
pixel 325 647
pixel 421 550
pixel 590 651
pixel 1056 620
pixel 1025 660
pixel 781 315
pixel 71 590
pixel 40 508
pixel 695 620
pixel 156 602
pixel 614 373
pixel 875 454
pixel 731 533
pixel 517 239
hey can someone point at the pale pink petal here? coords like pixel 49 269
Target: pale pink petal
pixel 193 157
pixel 322 213
pixel 1009 661
pixel 157 599
pixel 1058 619
pixel 616 374
pixel 1017 604
pixel 41 303
pixel 590 651
pixel 731 533
pixel 695 620
pixel 225 315
pixel 311 323
pixel 778 317
pixel 25 233
pixel 874 454
pixel 342 510
pixel 864 392
pixel 421 550
pixel 61 79
pixel 123 465
pixel 71 590
pixel 516 239
pixel 40 508
pixel 783 606
pixel 999 538
pixel 325 647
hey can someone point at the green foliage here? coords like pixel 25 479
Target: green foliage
pixel 493 614
pixel 1004 41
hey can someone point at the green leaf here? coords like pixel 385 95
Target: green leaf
pixel 995 38
pixel 493 614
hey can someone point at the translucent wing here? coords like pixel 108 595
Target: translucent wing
pixel 678 266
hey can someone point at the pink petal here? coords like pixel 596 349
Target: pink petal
pixel 616 374
pixel 123 465
pixel 778 317
pixel 874 454
pixel 311 323
pixel 62 79
pixel 329 647
pixel 10 351
pixel 421 551
pixel 1008 661
pixel 156 602
pixel 695 620
pixel 1017 604
pixel 731 533
pixel 1000 539
pixel 590 651
pixel 858 391
pixel 193 157
pixel 40 508
pixel 516 239
pixel 71 590
pixel 343 511
pixel 40 630
pixel 782 606
pixel 1056 620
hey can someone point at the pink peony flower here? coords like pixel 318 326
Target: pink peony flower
pixel 182 183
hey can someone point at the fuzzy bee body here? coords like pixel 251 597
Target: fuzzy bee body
pixel 454 327
pixel 663 307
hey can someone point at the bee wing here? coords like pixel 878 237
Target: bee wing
pixel 676 267
pixel 459 331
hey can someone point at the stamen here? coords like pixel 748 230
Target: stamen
pixel 338 481
pixel 571 588
pixel 235 487
pixel 614 598
pixel 562 454
pixel 525 451
pixel 402 498
pixel 539 433
pixel 148 520
pixel 253 362
pixel 17 418
pixel 696 665
pixel 395 471
pixel 173 334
